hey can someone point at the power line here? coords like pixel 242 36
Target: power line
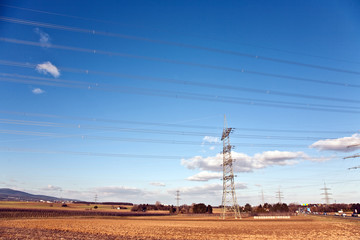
pixel 177 32
pixel 195 96
pixel 353 156
pixel 142 130
pixel 353 145
pixel 145 140
pixel 356 167
pixel 164 60
pixel 94 119
pixel 191 83
pixel 105 87
pixel 110 34
pixel 105 128
pixel 301 186
pixel 93 154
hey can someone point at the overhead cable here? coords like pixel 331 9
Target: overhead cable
pixel 151 131
pixel 143 140
pixel 93 154
pixel 121 121
pixel 165 60
pixel 110 34
pixel 191 83
pixel 194 96
pixel 177 33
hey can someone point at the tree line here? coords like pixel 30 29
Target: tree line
pixel 199 208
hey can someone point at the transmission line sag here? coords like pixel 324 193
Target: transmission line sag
pixel 356 167
pixel 353 156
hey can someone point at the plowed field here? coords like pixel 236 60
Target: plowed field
pixel 177 227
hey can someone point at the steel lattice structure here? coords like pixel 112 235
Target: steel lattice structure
pixel 326 194
pixel 229 201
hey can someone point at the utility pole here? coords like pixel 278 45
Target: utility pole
pixel 177 201
pixel 262 197
pixel 95 198
pixel 279 195
pixel 326 194
pixel 229 201
pixel 61 198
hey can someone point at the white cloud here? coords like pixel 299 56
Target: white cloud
pixel 52 188
pixel 210 139
pixel 319 159
pixel 212 147
pixel 129 194
pixel 207 189
pixel 209 163
pixel 48 67
pixel 246 163
pixel 338 144
pixel 44 37
pixel 158 184
pixel 205 176
pixel 120 191
pixel 37 91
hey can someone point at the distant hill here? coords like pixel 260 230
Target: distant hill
pixel 7 194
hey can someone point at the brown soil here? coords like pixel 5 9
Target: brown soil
pixel 175 227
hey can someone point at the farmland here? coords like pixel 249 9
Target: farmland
pixel 176 227
pixel 33 220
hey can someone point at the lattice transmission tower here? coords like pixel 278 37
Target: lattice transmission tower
pixel 279 195
pixel 229 201
pixel 177 201
pixel 326 194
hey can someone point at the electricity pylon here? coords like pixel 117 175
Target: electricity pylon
pixel 326 194
pixel 229 201
pixel 279 195
pixel 177 201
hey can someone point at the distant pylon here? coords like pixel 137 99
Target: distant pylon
pixel 229 201
pixel 177 201
pixel 326 194
pixel 262 197
pixel 279 195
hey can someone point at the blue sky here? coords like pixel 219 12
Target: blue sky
pixel 126 99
